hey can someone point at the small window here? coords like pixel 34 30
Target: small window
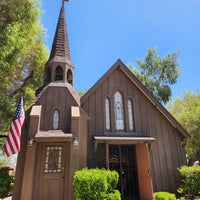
pixel 69 76
pixel 55 119
pixel 59 73
pixel 119 111
pixel 130 115
pixel 107 113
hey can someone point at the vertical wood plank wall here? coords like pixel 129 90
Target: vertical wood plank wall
pixel 62 102
pixel 167 153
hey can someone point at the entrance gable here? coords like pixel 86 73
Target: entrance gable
pixel 56 100
pixel 120 77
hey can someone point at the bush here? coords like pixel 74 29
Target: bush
pixel 6 185
pixel 115 195
pixel 164 196
pixel 98 184
pixel 190 186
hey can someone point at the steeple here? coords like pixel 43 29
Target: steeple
pixel 59 66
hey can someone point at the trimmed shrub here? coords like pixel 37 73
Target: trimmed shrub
pixel 164 196
pixel 6 185
pixel 98 184
pixel 190 185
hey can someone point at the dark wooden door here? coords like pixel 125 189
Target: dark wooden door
pixel 123 160
pixel 51 172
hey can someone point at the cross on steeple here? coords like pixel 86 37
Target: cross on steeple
pixel 64 1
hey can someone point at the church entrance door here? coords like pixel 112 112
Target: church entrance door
pixel 122 158
pixel 51 171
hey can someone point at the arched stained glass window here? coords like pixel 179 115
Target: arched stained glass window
pixel 56 119
pixel 107 113
pixel 119 111
pixel 130 115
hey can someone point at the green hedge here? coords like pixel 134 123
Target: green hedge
pixel 96 184
pixel 164 196
pixel 115 195
pixel 6 185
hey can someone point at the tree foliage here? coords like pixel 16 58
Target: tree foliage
pixel 190 183
pixel 22 55
pixel 157 73
pixel 187 111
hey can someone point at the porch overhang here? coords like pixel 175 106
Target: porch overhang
pixel 53 136
pixel 123 140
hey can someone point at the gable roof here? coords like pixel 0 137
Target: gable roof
pixel 68 86
pixel 119 64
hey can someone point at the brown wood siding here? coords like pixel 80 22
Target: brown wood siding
pixel 168 156
pixel 62 102
pixel 91 128
pixel 154 154
pixel 144 115
pixel 99 125
pixel 82 142
pixel 137 113
pixel 167 153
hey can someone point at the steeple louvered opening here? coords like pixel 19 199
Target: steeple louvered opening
pixel 69 76
pixel 59 74
pixel 48 75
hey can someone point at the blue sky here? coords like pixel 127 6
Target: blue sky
pixel 100 32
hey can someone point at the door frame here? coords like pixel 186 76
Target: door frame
pixel 123 170
pixel 143 146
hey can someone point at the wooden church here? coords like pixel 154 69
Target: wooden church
pixel 116 125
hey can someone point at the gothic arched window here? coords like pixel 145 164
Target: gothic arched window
pixel 59 73
pixel 107 113
pixel 69 76
pixel 130 115
pixel 56 119
pixel 119 111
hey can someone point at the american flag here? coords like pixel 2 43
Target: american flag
pixel 12 144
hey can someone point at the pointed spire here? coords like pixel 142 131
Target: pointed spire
pixel 59 67
pixel 60 51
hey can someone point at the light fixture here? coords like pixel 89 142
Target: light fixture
pixel 75 141
pixel 31 141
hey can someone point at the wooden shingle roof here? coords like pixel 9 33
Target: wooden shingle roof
pixel 68 86
pixel 60 51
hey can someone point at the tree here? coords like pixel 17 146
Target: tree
pixel 187 112
pixel 157 73
pixel 22 55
